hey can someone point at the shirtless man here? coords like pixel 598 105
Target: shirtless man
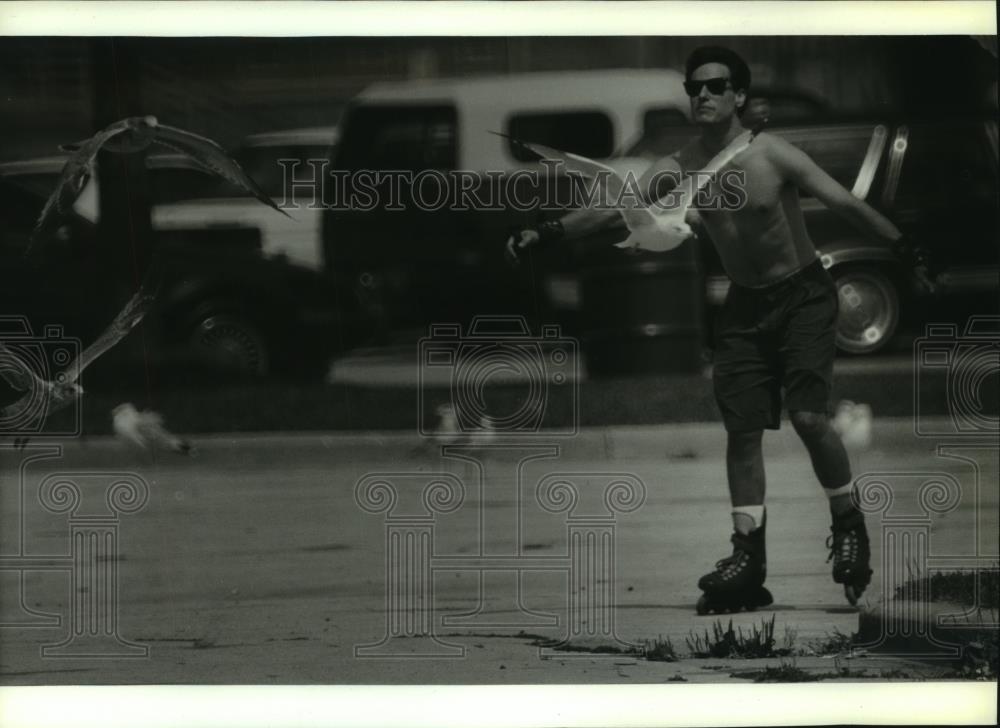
pixel 776 330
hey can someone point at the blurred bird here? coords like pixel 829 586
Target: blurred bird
pixel 659 227
pixel 64 388
pixel 449 431
pixel 146 430
pixel 128 135
pixel 853 422
pixel 486 434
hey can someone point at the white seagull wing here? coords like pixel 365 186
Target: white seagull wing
pixel 122 324
pixel 613 185
pixel 17 372
pixel 75 174
pixel 682 196
pixel 212 157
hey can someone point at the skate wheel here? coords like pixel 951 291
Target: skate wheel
pixel 751 607
pixel 702 606
pixel 852 598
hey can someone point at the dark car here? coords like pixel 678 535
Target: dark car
pixel 222 305
pixel 936 179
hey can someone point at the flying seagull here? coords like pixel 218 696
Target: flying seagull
pixel 659 227
pixel 853 422
pixel 129 135
pixel 146 430
pixel 64 388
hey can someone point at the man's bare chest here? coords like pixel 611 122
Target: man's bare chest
pixel 749 185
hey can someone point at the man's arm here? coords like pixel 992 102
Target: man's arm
pixel 802 171
pixel 655 182
pixel 799 169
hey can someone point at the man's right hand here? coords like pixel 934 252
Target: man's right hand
pixel 517 245
pixel 916 257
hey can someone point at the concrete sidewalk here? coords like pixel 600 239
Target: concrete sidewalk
pixel 254 563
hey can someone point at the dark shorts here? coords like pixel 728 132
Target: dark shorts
pixel 777 337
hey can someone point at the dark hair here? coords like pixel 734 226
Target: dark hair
pixel 739 71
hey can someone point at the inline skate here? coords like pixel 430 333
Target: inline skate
pixel 850 553
pixel 738 580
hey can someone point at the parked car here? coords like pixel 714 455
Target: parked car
pixel 937 180
pixel 188 197
pixel 222 305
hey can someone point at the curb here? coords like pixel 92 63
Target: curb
pixel 919 631
pixel 673 441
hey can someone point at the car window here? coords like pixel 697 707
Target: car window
pixel 588 133
pixel 37 184
pixel 782 108
pixel 19 210
pixel 948 165
pixel 177 184
pixel 838 150
pixel 664 131
pixel 410 138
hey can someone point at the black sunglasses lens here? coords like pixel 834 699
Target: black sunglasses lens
pixel 715 86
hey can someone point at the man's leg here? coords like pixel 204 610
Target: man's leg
pixel 828 455
pixel 808 350
pixel 745 471
pixel 748 394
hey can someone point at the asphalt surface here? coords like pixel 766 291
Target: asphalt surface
pixel 255 563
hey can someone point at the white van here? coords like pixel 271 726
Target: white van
pixel 430 264
pixel 603 111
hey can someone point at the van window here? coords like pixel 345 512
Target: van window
pixel 664 131
pixel 409 138
pixel 588 133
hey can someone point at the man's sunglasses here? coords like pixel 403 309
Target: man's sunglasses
pixel 715 86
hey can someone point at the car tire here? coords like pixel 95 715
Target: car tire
pixel 231 343
pixel 869 309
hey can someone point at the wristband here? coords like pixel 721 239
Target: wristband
pixel 550 231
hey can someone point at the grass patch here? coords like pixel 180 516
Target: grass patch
pixel 955 586
pixel 786 671
pixel 979 658
pixel 660 650
pixel 727 642
pixel 599 649
pixel 832 643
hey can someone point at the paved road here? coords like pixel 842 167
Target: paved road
pixel 253 563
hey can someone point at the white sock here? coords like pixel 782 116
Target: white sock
pixel 747 518
pixel 832 493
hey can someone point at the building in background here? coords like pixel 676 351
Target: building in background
pixel 228 88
